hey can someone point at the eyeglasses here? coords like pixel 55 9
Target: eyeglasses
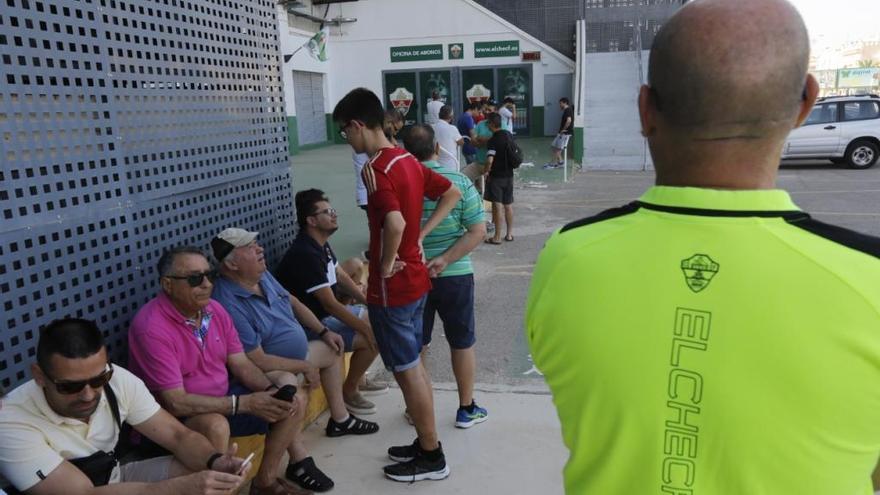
pixel 70 388
pixel 196 279
pixel 342 132
pixel 328 211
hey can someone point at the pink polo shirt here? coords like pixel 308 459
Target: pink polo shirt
pixel 166 354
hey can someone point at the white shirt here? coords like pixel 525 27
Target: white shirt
pixel 434 107
pixel 447 135
pixel 34 440
pixel 360 190
pixel 506 119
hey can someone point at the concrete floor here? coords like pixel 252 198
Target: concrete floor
pixel 330 169
pixel 505 374
pixel 521 436
pixel 543 203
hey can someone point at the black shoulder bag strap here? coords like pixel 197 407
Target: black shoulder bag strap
pixel 123 443
pixel 114 405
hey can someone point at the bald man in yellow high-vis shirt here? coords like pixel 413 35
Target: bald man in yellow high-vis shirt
pixel 711 338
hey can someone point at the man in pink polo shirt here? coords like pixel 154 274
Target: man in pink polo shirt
pixel 181 344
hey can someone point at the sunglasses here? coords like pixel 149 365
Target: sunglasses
pixel 329 211
pixel 196 279
pixel 70 388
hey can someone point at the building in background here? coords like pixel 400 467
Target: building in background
pixel 403 50
pixel 848 68
pixel 464 49
pixel 611 24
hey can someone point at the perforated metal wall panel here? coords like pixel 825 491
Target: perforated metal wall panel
pixel 610 23
pixel 129 127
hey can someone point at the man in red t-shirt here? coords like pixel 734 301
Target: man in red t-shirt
pixel 396 187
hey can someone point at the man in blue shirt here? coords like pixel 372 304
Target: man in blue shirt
pixel 466 126
pixel 267 319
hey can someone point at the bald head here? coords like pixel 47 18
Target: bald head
pixel 419 140
pixel 723 69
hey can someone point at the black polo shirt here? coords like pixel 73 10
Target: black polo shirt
pixel 499 147
pixel 306 267
pixel 568 113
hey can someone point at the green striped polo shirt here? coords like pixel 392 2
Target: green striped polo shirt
pixel 468 211
pixel 482 130
pixel 709 342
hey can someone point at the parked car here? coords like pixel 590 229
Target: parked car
pixel 843 129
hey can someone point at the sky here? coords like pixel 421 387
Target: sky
pixel 838 21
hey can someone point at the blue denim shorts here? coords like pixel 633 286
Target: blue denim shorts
pixel 453 299
pixel 336 325
pixel 398 332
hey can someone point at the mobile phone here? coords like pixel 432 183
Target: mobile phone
pixel 247 461
pixel 285 393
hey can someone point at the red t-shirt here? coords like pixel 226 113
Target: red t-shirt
pixel 396 181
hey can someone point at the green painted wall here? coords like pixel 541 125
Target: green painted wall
pixel 536 122
pixel 292 135
pixel 332 133
pixel 578 150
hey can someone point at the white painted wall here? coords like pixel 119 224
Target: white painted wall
pixel 612 132
pixel 360 51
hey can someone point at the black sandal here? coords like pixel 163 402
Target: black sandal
pixel 307 475
pixel 354 426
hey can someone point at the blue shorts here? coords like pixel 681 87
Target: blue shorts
pixel 336 325
pixel 398 331
pixel 453 299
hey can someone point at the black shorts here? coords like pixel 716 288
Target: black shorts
pixel 499 190
pixel 453 299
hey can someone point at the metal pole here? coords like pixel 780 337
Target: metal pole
pixel 565 163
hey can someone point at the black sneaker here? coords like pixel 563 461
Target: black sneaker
pixel 404 453
pixel 419 467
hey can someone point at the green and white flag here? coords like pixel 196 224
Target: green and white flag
pixel 317 44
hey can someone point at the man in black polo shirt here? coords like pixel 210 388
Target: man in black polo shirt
pixel 499 185
pixel 560 142
pixel 310 271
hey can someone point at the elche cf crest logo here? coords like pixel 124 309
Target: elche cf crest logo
pixel 698 271
pixel 478 93
pixel 401 100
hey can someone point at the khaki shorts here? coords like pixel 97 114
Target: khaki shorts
pixel 473 171
pixel 560 142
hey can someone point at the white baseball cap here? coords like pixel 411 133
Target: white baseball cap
pixel 230 239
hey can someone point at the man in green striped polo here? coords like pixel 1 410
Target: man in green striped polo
pixel 447 249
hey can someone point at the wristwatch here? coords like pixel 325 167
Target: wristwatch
pixel 213 459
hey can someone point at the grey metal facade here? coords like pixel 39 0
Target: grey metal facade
pixel 129 127
pixel 610 23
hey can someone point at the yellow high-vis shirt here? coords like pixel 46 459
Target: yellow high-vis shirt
pixel 709 342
